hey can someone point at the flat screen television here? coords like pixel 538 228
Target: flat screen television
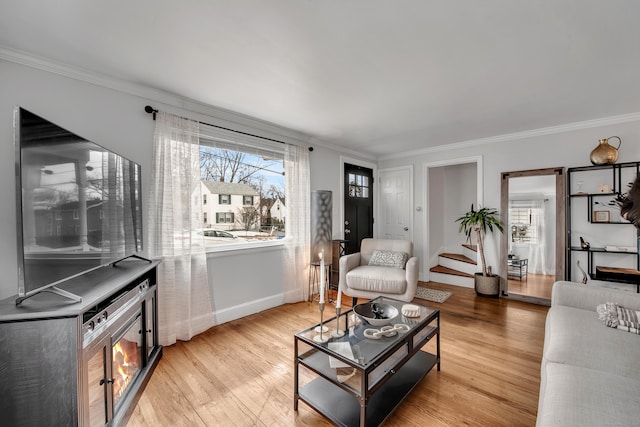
pixel 78 205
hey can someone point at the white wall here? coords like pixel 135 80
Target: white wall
pixel 460 189
pixel 242 281
pixel 567 146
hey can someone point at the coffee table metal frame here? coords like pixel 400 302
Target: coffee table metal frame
pixel 364 391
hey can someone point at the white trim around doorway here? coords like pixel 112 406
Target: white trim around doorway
pixel 425 275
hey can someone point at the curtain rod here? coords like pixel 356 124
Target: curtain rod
pixel 149 109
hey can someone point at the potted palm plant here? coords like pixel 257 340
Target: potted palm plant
pixel 478 222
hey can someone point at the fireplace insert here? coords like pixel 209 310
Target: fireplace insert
pixel 80 364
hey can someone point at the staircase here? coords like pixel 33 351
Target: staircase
pixel 456 269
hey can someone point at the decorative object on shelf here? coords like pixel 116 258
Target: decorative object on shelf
pixel 604 188
pixel 584 274
pixel 584 245
pixel 376 314
pixel 630 203
pixel 601 216
pixel 630 249
pixel 579 189
pixel 605 154
pixel 478 221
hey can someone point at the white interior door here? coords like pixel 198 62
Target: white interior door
pixel 396 203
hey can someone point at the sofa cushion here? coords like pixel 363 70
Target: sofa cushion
pixel 577 337
pixel 377 279
pixel 393 259
pixel 577 396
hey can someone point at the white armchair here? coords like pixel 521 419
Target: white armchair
pixel 382 267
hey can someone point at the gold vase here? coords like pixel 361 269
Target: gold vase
pixel 605 154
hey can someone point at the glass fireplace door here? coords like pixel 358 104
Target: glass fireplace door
pixel 98 382
pixel 127 354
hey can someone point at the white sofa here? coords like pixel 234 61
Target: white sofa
pixel 359 279
pixel 590 373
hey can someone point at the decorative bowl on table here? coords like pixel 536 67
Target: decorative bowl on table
pixel 376 314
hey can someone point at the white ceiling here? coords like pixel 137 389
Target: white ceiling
pixel 378 76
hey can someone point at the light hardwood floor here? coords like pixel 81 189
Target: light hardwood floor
pixel 241 373
pixel 535 285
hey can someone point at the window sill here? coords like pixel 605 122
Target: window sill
pixel 233 247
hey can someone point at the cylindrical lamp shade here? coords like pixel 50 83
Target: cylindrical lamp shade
pixel 321 225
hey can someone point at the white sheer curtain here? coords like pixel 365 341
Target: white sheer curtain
pixel 184 296
pixel 296 252
pixel 538 253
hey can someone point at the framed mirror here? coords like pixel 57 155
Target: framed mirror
pixel 532 247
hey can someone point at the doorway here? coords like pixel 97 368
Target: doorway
pixel 450 188
pixel 358 205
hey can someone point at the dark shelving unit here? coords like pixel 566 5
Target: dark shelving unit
pixel 598 218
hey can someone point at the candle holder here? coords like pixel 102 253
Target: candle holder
pixel 321 329
pixel 338 332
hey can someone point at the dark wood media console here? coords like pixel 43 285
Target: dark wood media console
pixel 80 363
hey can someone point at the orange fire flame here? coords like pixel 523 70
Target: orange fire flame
pixel 126 359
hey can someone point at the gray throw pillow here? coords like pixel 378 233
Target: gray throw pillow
pixel 388 259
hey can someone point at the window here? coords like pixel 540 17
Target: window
pixel 76 215
pixel 224 217
pixel 358 186
pixel 204 217
pixel 246 174
pixel 523 224
pixel 58 216
pixel 204 199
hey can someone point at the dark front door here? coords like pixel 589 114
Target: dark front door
pixel 358 205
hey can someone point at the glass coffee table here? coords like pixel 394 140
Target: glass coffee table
pixel 359 378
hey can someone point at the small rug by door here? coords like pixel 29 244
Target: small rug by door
pixel 432 294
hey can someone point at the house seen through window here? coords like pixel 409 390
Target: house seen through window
pixel 242 191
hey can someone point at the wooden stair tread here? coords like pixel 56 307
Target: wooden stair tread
pixel 471 247
pixel 458 257
pixel 445 270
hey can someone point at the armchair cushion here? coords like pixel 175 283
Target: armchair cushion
pixel 394 259
pixel 378 279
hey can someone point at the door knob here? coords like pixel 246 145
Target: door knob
pixel 347 231
pixel 406 229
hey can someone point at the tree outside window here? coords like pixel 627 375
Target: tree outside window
pixel 245 215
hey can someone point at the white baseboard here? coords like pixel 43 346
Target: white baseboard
pixel 245 309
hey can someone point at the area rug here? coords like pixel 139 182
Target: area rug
pixel 432 294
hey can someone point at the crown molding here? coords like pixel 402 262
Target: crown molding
pixel 587 124
pixel 209 113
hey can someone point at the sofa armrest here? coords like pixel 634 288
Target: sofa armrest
pixel 587 297
pixel 413 271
